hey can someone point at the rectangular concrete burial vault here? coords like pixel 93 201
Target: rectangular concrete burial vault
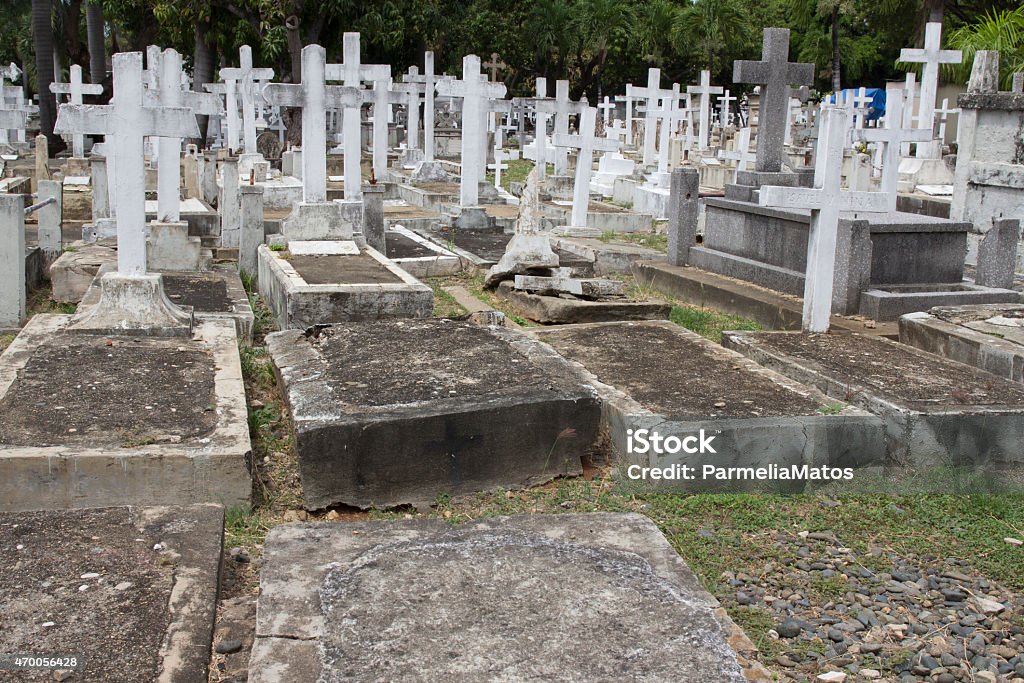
pixel 327 283
pixel 505 599
pixel 661 377
pixel 131 592
pixel 89 420
pixel 937 412
pixel 397 412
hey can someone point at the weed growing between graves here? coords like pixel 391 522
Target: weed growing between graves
pixel 516 172
pixel 474 283
pixel 445 305
pixel 658 241
pixel 707 322
pixel 39 301
pixel 5 340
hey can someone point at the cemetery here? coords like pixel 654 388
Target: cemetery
pixel 577 341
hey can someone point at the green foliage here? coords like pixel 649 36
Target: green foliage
pixel 995 30
pixel 708 322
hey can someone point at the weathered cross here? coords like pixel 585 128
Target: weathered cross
pixel 725 109
pixel 74 89
pixel 229 91
pixel 705 90
pixel 246 78
pixel 775 74
pixel 628 98
pixel 586 144
pixel 473 92
pixel 669 114
pixel 385 93
pixel 413 87
pixel 943 112
pixel 166 67
pixel 741 155
pixel 12 114
pixel 429 81
pixel 652 94
pixel 494 66
pixel 606 107
pixel 352 72
pixel 909 96
pixel 931 55
pixel 540 121
pixel 825 201
pixel 126 122
pixel 315 97
pixel 892 136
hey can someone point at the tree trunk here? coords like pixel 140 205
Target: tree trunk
pixel 934 10
pixel 42 36
pixel 202 71
pixel 291 26
pixel 97 42
pixel 836 80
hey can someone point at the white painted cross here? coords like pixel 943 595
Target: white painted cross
pixel 606 107
pixel 500 156
pixel 429 81
pixel 246 78
pixel 741 155
pixel 473 92
pixel 126 121
pixel 413 88
pixel 628 98
pixel 12 115
pixel 705 90
pixel 725 109
pixel 943 112
pixel 352 72
pixel 860 102
pixel 586 144
pixel 74 90
pixel 652 93
pixel 825 201
pixel 315 97
pixel 909 97
pixel 669 114
pixel 229 91
pixel 931 56
pixel 169 92
pixel 892 136
pixel 384 95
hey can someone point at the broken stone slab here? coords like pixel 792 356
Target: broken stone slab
pixel 526 251
pixel 734 402
pixel 430 172
pixel 339 220
pixel 386 414
pixel 565 310
pixel 511 596
pixel 74 271
pixel 145 578
pixel 936 412
pixel 89 420
pixel 585 288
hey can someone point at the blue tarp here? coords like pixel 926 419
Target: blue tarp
pixel 877 95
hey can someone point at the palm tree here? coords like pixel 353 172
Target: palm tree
pixel 654 24
pixel 710 24
pixel 42 36
pixel 96 41
pixel 600 24
pixel 995 30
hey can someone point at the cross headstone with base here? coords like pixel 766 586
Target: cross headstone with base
pixel 652 94
pixel 606 107
pixel 775 74
pixel 742 154
pixel 246 78
pixel 942 113
pixel 705 90
pixel 825 201
pixel 670 115
pixel 131 300
pixel 413 89
pixel 229 91
pixel 473 92
pixel 74 90
pixel 725 109
pixel 931 56
pixel 429 82
pixel 628 99
pixel 586 144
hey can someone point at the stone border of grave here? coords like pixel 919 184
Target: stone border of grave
pixel 444 262
pixel 986 352
pixel 214 469
pixel 298 304
pixel 850 435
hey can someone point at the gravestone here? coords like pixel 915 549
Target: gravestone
pixel 529 250
pixel 246 79
pixel 586 144
pixel 12 260
pixel 931 56
pixel 683 214
pixel 652 94
pixel 705 90
pixel 741 155
pixel 74 89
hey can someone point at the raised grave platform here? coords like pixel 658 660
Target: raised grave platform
pixel 88 420
pixel 132 591
pixel 400 411
pixel 331 282
pixel 661 377
pixel 419 256
pixel 607 257
pixel 560 310
pixel 575 598
pixel 937 412
pixel 990 336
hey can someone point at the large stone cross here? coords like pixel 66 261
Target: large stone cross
pixel 652 94
pixel 825 201
pixel 494 66
pixel 586 144
pixel 775 73
pixel 246 79
pixel 628 99
pixel 705 90
pixel 74 89
pixel 473 92
pixel 670 114
pixel 931 55
pixel 315 97
pixel 126 122
pixel 413 87
pixel 229 91
pixel 429 81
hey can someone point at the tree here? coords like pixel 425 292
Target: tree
pixel 713 27
pixel 1001 30
pixel 42 36
pixel 97 41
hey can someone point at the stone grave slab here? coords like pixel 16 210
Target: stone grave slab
pixel 607 257
pixel 89 420
pixel 483 248
pixel 312 289
pixel 936 412
pixel 399 411
pixel 561 310
pixel 74 270
pixel 133 591
pixel 889 302
pixel 398 213
pixel 509 599
pixel 216 294
pixel 418 256
pixel 662 377
pixel 428 195
pixel 987 336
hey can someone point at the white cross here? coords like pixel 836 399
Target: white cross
pixel 652 93
pixel 429 82
pixel 473 92
pixel 825 201
pixel 14 111
pixel 384 94
pixel 540 127
pixel 741 155
pixel 413 87
pixel 494 66
pixel 942 112
pixel 931 56
pixel 126 121
pixel 892 136
pixel 606 107
pixel 725 109
pixel 315 97
pixel 75 89
pixel 909 96
pixel 166 73
pixel 628 98
pixel 616 131
pixel 705 90
pixel 669 114
pixel 587 144
pixel 352 72
pixel 228 90
pixel 500 155
pixel 246 78
pixel 564 108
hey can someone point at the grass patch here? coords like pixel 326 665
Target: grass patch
pixel 474 283
pixel 516 172
pixel 39 301
pixel 707 322
pixel 445 305
pixel 657 241
pixel 5 340
pixel 244 527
